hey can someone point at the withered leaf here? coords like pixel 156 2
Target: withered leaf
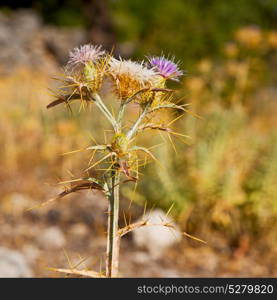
pixel 67 99
pixel 80 187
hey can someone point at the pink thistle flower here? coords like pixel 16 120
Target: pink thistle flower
pixel 84 54
pixel 165 67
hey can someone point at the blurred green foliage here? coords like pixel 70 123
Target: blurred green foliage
pixel 61 13
pixel 191 29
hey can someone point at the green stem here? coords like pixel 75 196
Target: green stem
pixel 113 238
pixel 134 128
pixel 120 116
pixel 100 104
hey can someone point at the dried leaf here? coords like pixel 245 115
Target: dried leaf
pixel 66 99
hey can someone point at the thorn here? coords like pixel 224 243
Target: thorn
pixel 194 238
pixel 68 260
pixel 169 210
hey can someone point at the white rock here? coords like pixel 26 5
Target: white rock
pixel 157 239
pixel 140 257
pixel 79 230
pixel 31 253
pixel 51 238
pixel 16 203
pixel 13 264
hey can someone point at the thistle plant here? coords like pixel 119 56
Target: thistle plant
pixel 143 83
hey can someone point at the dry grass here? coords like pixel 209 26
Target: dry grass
pixel 223 183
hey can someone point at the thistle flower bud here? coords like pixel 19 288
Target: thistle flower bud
pixel 86 67
pixel 93 74
pixel 129 77
pixel 120 144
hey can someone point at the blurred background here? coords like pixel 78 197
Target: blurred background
pixel 223 181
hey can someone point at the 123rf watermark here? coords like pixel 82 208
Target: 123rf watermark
pixel 227 289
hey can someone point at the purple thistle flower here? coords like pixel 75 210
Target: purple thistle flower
pixel 165 67
pixel 84 54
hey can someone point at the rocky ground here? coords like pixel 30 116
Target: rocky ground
pixel 65 233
